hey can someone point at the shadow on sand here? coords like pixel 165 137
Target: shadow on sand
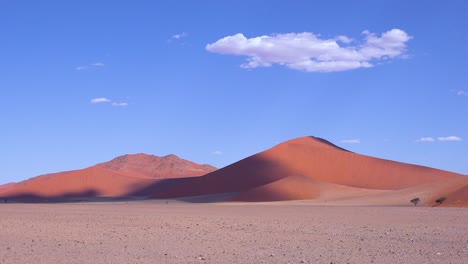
pixel 216 186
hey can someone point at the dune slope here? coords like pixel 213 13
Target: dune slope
pixel 128 175
pixel 313 158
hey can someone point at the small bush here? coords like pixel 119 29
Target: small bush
pixel 441 200
pixel 415 201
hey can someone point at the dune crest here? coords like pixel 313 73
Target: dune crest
pixel 310 168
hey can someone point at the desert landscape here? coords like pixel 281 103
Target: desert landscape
pixel 322 132
pixel 306 168
pixel 302 201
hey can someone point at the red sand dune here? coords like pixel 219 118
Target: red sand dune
pixel 6 186
pixel 301 168
pixel 300 188
pixel 428 193
pixel 306 168
pixel 122 176
pixel 155 167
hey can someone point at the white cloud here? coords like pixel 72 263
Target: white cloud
pixel 100 100
pixel 119 104
pixel 425 139
pixel 217 152
pixel 450 138
pixel 308 52
pixel 344 39
pixel 351 141
pixel 90 66
pixel 179 36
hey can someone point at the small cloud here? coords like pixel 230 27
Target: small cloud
pixel 450 138
pixel 461 92
pixel 179 36
pixel 309 52
pixel 90 66
pixel 119 104
pixel 425 139
pixel 98 64
pixel 100 100
pixel 351 141
pixel 217 152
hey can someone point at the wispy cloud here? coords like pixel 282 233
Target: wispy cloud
pixel 107 100
pixel 308 52
pixel 425 139
pixel 351 141
pixel 90 66
pixel 449 138
pixel 179 36
pixel 120 104
pixel 431 139
pixel 100 100
pixel 462 92
pixel 217 152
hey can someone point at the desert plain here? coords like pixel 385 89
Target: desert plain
pixel 170 231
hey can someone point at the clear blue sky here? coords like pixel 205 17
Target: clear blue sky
pixel 85 81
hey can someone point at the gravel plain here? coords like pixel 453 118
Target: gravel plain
pixel 286 232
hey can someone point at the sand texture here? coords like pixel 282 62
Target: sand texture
pixel 284 232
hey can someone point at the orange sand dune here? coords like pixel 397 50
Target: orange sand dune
pixel 311 157
pixel 124 176
pixel 300 188
pixel 93 181
pixel 427 193
pixel 155 167
pixel 6 186
pixel 456 194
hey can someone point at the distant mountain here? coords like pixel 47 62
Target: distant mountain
pixel 315 169
pixel 155 167
pixel 124 176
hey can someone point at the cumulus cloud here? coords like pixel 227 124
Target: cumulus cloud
pixel 425 139
pixel 100 100
pixel 450 138
pixel 90 66
pixel 119 104
pixel 308 52
pixel 351 141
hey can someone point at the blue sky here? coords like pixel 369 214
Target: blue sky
pixel 215 82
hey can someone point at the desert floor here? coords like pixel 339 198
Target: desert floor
pixel 293 232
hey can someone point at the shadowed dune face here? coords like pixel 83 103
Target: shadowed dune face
pixel 326 171
pixel 300 188
pixel 122 177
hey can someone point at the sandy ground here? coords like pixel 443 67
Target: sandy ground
pixel 292 232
